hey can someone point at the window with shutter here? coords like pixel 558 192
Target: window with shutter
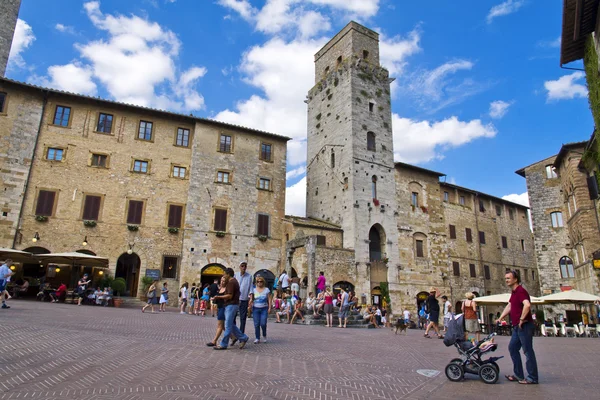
pixel 265 151
pixel 263 225
pixel 134 214
pixel 504 242
pixel 452 232
pixel 91 208
pixel 220 220
pixel 472 270
pixel 321 240
pixel 469 235
pixel 175 216
pixel 45 203
pixel 456 268
pixel 419 244
pixel 481 237
pixel 486 271
pixel 169 270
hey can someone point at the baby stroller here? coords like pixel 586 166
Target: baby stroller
pixel 470 361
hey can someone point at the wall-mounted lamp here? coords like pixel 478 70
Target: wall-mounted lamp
pixel 100 272
pixel 36 237
pixel 12 267
pixel 57 270
pixel 130 249
pixel 85 242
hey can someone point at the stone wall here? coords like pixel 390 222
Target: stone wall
pixel 9 12
pixel 18 131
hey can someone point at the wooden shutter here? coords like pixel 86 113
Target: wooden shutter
pixel 419 248
pixel 456 268
pixel 472 270
pixel 452 232
pixel 469 235
pixel 486 271
pixel 91 208
pixel 175 214
pixel 45 203
pixel 481 237
pixel 263 224
pixel 504 242
pixel 220 220
pixel 134 214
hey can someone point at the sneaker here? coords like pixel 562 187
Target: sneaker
pixel 5 306
pixel 256 341
pixel 264 340
pixel 243 343
pixel 182 312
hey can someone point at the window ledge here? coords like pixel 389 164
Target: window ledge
pixel 223 183
pixel 104 133
pixel 61 126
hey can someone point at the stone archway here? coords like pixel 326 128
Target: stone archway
pixel 128 268
pixel 210 272
pixel 346 285
pixel 268 275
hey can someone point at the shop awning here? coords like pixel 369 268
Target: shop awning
pixel 17 256
pixel 73 259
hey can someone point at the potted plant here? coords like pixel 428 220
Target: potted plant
pixel 118 286
pixel 41 218
pixel 89 223
pixel 220 234
pixel 133 228
pixel 173 230
pixel 263 238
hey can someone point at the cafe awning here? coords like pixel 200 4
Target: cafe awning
pixel 73 258
pixel 570 297
pixel 502 298
pixel 17 256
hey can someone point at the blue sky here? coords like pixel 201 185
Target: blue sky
pixel 479 91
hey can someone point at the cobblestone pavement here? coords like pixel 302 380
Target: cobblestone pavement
pixel 61 351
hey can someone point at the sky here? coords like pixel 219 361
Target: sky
pixel 479 91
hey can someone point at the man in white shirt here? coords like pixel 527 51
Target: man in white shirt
pixel 447 312
pixel 5 274
pixel 406 314
pixel 245 281
pixel 284 281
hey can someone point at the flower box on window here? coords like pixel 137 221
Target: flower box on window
pixel 89 223
pixel 133 228
pixel 220 234
pixel 41 218
pixel 424 209
pixel 375 202
pixel 263 238
pixel 173 230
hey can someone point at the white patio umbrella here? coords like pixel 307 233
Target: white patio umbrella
pixel 73 258
pixel 503 298
pixel 570 297
pixel 17 256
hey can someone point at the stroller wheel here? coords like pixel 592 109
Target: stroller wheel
pixel 458 361
pixel 489 373
pixel 455 372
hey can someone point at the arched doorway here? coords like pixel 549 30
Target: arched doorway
pixel 376 298
pixel 128 268
pixel 268 276
pixel 342 284
pixel 421 298
pixel 374 244
pixel 211 272
pixel 294 273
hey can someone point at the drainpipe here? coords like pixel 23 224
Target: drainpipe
pixel 476 209
pixel 35 145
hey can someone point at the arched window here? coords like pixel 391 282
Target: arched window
pixel 557 219
pixel 332 159
pixel 370 141
pixel 374 186
pixel 566 268
pixel 374 244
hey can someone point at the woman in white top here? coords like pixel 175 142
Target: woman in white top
pixel 183 293
pixel 260 303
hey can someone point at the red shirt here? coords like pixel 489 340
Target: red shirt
pixel 518 296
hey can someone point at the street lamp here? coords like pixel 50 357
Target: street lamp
pixel 36 237
pixel 85 242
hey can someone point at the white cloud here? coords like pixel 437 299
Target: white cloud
pixel 64 28
pixel 136 63
pixel 242 7
pixel 550 43
pixel 422 141
pixel 566 87
pixel 506 8
pixel 301 170
pixel 295 199
pixel 394 51
pixel 22 39
pixel 499 108
pixel 522 198
pixel 362 8
pixel 72 78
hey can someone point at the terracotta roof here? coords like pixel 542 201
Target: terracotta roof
pixel 579 20
pixel 163 112
pixel 312 222
pixel 564 150
pixel 478 193
pixel 410 166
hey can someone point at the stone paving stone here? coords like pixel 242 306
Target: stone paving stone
pixel 62 351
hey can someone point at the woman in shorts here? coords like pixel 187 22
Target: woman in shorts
pixel 151 294
pixel 328 306
pixel 220 311
pixel 164 298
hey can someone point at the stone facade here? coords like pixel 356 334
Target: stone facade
pixel 394 216
pixel 9 12
pixel 157 168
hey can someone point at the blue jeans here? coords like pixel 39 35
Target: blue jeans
pixel 259 315
pixel 522 338
pixel 243 315
pixel 230 328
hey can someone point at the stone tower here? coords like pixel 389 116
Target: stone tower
pixel 350 164
pixel 9 11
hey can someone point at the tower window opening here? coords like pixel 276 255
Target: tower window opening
pixel 365 54
pixel 326 70
pixel 332 159
pixel 370 141
pixel 339 60
pixel 371 106
pixel 374 186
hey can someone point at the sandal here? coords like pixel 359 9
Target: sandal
pixel 527 382
pixel 512 378
pixel 210 344
pixel 427 336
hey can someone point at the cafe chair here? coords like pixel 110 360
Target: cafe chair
pixel 549 328
pixel 567 330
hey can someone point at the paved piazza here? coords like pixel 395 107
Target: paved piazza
pixel 61 351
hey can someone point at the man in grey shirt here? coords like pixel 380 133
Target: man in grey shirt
pixel 245 281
